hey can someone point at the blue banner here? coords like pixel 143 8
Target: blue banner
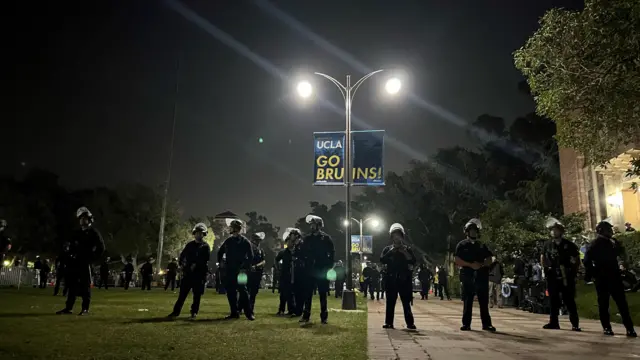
pixel 328 164
pixel 367 245
pixel 367 158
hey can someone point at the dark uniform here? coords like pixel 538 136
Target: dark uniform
pixel 104 275
pixel 443 281
pixel 44 274
pixel 374 286
pixel 521 280
pixel 561 264
pixel 340 278
pixel 239 255
pixel 85 247
pixel 172 272
pixel 255 274
pixel 61 265
pixel 285 259
pixel 146 273
pixel 425 276
pixel 299 278
pixel 398 281
pixel 318 254
pixel 128 275
pixel 474 282
pixel 601 264
pixel 194 259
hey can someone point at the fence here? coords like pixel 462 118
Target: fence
pixel 18 276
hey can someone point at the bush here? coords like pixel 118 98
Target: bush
pixel 631 243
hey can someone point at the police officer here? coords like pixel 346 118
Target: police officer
pixel 560 258
pixel 399 260
pixel 425 280
pixel 299 276
pixel 257 267
pixel 172 272
pixel 601 264
pixel 474 258
pixel 128 273
pixel 318 253
pixel 235 256
pixel 104 274
pixel 146 273
pixel 85 247
pixel 193 258
pixel 61 264
pixel 443 278
pixel 5 242
pixel 340 277
pixel 284 261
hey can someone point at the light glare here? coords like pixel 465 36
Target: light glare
pixel 393 86
pixel 304 89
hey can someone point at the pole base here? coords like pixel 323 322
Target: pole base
pixel 348 300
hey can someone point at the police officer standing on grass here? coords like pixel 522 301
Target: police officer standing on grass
pixel 146 273
pixel 560 258
pixel 474 258
pixel 238 254
pixel 172 272
pixel 61 264
pixel 257 268
pixel 318 253
pixel 299 276
pixel 85 247
pixel 104 274
pixel 128 273
pixel 194 259
pixel 601 264
pixel 399 261
pixel 340 277
pixel 285 261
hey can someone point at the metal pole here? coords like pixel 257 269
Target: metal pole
pixel 361 242
pixel 347 181
pixel 166 187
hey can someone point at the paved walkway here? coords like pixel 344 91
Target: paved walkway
pixel 520 336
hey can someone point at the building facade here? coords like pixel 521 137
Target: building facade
pixel 600 192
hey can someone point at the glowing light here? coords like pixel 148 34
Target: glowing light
pixel 615 200
pixel 375 223
pixel 331 275
pixel 160 272
pixel 6 263
pixel 393 86
pixel 242 279
pixel 304 89
pixel 345 222
pixel 260 140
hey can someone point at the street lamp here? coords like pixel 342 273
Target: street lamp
pixel 348 92
pixel 374 223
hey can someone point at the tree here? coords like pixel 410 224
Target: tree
pixel 584 70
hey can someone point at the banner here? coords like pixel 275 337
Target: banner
pixel 367 246
pixel 366 159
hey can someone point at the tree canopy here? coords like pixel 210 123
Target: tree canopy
pixel 583 67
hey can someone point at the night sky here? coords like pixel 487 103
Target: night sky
pixel 95 80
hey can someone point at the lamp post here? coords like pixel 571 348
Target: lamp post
pixel 348 92
pixel 361 222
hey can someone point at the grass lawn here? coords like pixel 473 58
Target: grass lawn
pixel 587 302
pixel 117 329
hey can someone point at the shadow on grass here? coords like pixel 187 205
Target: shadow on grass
pixel 19 315
pixel 162 319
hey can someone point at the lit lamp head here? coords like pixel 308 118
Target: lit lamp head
pixel 304 89
pixel 393 86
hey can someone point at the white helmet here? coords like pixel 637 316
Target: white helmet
pixel 396 227
pixel 289 231
pixel 259 235
pixel 200 227
pixel 473 222
pixel 314 219
pixel 553 222
pixel 83 211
